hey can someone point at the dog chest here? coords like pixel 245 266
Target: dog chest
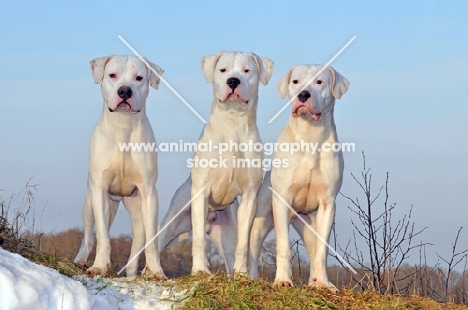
pixel 122 176
pixel 229 183
pixel 306 198
pixel 307 190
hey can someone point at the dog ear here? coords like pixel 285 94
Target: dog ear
pixel 340 84
pixel 283 84
pixel 97 68
pixel 154 78
pixel 209 65
pixel 265 68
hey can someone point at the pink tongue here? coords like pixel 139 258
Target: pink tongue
pixel 316 116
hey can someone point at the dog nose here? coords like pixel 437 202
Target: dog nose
pixel 124 92
pixel 303 96
pixel 233 82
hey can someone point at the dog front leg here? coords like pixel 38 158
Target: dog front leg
pixel 261 226
pixel 324 222
pixel 100 206
pixel 132 204
pixel 245 215
pixel 149 212
pixel 282 219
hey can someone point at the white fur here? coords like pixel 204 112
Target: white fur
pixel 310 183
pixel 232 118
pixel 116 175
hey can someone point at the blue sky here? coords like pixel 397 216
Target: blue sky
pixel 406 106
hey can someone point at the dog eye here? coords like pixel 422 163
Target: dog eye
pixel 139 78
pixel 222 70
pixel 247 70
pixel 112 75
pixel 319 82
pixel 295 81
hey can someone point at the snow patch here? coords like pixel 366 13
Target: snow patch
pixel 26 285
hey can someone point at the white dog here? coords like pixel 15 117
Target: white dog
pixel 235 78
pixel 311 182
pixel 116 175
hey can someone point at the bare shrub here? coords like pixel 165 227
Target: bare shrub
pixel 389 241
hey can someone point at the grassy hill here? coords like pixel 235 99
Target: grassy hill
pixel 217 292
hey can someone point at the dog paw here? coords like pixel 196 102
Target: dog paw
pixel 159 276
pixel 156 276
pixel 283 283
pixel 153 275
pixel 131 273
pixel 96 271
pixel 241 270
pixel 323 284
pixel 198 272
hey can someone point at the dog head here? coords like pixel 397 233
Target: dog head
pixel 235 77
pixel 312 93
pixel 124 81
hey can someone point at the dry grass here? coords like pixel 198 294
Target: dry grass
pixel 218 292
pixel 11 242
pixel 12 237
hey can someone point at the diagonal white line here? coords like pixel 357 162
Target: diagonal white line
pixel 312 79
pixel 313 230
pixel 162 79
pixel 160 231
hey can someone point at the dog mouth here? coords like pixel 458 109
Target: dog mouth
pixel 303 109
pixel 123 106
pixel 233 97
pixel 300 110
